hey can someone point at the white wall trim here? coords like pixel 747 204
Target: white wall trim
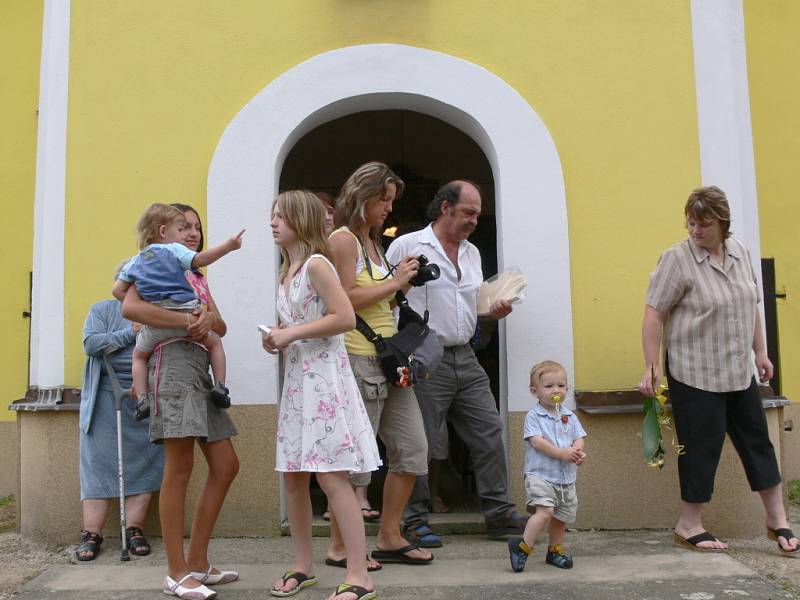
pixel 723 113
pixel 47 319
pixel 530 196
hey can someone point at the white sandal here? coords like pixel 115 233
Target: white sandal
pixel 210 578
pixel 176 589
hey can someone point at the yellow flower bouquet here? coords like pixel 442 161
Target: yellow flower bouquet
pixel 656 417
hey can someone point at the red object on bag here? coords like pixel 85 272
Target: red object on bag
pixel 403 377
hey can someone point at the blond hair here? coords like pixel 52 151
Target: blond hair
pixel 304 214
pixel 366 185
pixel 541 369
pixel 156 215
pixel 707 204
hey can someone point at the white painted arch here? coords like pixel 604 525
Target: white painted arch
pixel 529 191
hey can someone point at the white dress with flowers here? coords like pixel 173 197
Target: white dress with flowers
pixel 322 423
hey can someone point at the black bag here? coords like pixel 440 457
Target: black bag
pixel 412 354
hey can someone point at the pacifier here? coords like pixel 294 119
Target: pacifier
pixel 557 399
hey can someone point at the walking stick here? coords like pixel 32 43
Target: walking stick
pixel 119 396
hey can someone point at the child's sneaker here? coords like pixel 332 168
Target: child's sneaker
pixel 518 552
pixel 219 395
pixel 557 558
pixel 142 410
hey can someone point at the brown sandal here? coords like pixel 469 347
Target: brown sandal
pixel 787 534
pixel 90 543
pixel 136 542
pixel 692 542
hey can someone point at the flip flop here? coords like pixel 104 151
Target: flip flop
pixel 342 564
pixel 399 556
pixel 360 592
pixel 370 515
pixel 692 542
pixel 303 581
pixel 787 534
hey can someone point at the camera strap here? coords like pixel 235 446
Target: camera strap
pixel 368 261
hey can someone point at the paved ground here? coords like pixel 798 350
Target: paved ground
pixel 619 565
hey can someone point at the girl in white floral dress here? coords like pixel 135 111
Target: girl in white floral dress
pixel 323 427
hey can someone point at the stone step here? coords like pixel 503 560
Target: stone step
pixel 680 575
pixel 444 524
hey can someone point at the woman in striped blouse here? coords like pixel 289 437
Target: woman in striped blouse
pixel 702 302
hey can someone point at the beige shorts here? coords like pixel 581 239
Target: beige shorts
pixel 564 498
pixel 395 417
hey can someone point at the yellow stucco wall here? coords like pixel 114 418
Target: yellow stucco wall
pixel 153 85
pixel 20 49
pixel 773 53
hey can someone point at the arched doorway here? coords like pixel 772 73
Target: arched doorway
pixel 425 152
pixel 530 200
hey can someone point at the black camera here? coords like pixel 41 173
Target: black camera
pixel 428 271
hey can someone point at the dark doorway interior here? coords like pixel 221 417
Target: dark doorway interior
pixel 425 152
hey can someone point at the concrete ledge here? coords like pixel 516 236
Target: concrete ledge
pixel 48 500
pixel 790 442
pixel 616 490
pixel 9 465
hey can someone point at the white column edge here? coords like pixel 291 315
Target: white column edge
pixel 723 112
pixel 47 319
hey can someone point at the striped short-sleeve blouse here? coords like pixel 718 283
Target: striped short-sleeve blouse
pixel 711 314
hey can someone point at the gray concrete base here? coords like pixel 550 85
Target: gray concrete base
pixel 616 490
pixel 9 466
pixel 607 565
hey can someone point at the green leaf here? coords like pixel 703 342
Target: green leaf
pixel 652 443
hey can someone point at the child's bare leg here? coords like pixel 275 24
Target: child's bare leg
pixel 520 549
pixel 216 356
pixel 557 531
pixel 536 524
pixel 139 370
pixel 555 551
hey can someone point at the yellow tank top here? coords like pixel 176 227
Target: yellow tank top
pixel 379 316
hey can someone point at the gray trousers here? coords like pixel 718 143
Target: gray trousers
pixel 459 392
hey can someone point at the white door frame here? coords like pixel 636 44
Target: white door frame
pixel 529 191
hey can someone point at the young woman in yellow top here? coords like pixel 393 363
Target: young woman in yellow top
pixel 366 199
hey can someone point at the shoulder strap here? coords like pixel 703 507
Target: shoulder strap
pixel 368 261
pixel 364 329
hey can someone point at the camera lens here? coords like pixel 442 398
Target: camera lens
pixel 428 271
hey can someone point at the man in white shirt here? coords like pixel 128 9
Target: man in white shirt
pixel 459 389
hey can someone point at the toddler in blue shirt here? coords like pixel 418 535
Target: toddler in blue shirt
pixel 161 272
pixel 553 452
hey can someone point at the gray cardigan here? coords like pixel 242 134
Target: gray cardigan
pixel 105 330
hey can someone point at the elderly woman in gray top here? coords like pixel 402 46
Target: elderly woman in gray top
pixel 703 296
pixel 106 331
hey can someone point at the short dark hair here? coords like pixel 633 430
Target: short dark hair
pixel 709 204
pixel 450 193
